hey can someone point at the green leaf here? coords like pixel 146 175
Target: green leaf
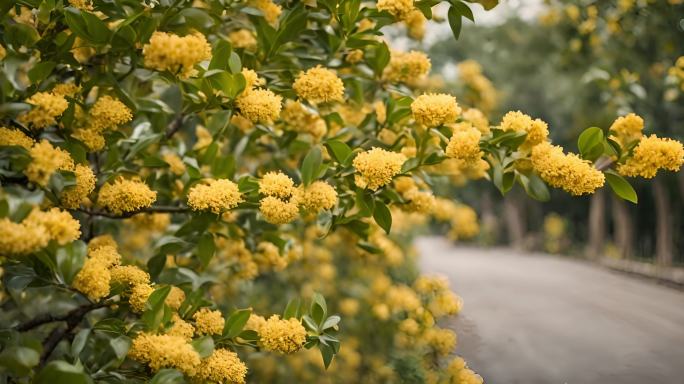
pixel 378 57
pixel 236 322
pixel 382 216
pixel 61 372
pixel 19 360
pixel 331 321
pixel 154 312
pixel 455 21
pixel 79 342
pixel 206 248
pixel 339 150
pixel 327 353
pixel 120 345
pixel 220 55
pixel 319 309
pixel 590 142
pixel 311 164
pixel 620 186
pixel 41 71
pixel 234 63
pixel 168 376
pixel 204 346
pixel 292 309
pixel 463 10
pixel 535 187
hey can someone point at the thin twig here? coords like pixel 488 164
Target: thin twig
pixel 174 126
pixel 157 209
pixel 46 318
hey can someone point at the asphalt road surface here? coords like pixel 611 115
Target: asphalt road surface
pixel 534 318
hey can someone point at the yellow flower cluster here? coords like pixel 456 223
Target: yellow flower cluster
pixel 319 85
pixel 141 292
pixel 180 328
pixel 478 119
pixel 123 195
pixel 45 160
pixel 318 196
pixel 270 10
pixel 47 107
pixel 176 165
pixel 651 154
pixel 37 230
pixel 280 206
pixel 400 9
pixel 165 351
pixel 417 200
pixel 299 119
pixel 627 129
pixel 465 144
pixel 73 196
pixel 259 105
pixel 243 39
pixel 108 113
pixel 223 366
pixel 415 23
pixel 129 276
pixel 283 336
pixel 432 110
pixel 484 94
pixel 459 373
pixel 537 130
pixel 95 277
pixel 3 52
pixel 376 167
pixel 677 72
pixel 268 257
pixel 216 196
pixel 208 322
pixel 81 4
pixel 442 341
pixel 178 55
pixel 10 137
pixel 407 67
pixel 354 56
pixel 569 172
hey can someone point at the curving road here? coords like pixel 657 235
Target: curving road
pixel 533 318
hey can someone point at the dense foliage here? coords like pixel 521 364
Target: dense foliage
pixel 184 182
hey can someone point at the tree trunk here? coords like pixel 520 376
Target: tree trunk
pixel 597 224
pixel 664 240
pixel 624 227
pixel 515 221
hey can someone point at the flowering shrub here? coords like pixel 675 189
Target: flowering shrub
pixel 183 184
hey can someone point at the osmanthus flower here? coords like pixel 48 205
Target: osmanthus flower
pixel 419 201
pixel 277 211
pixel 354 56
pixel 318 196
pixel 270 10
pixel 215 196
pixel 46 160
pixel 427 285
pixel 442 341
pixel 627 129
pixel 46 108
pixel 267 257
pixel 283 336
pixel 259 105
pixel 72 197
pixel 458 372
pixel 93 279
pixel 445 303
pixel 567 171
pixel 124 195
pixel 60 225
pixel 222 366
pixel 243 39
pixel 407 67
pixel 129 276
pixel 180 328
pixel 477 118
pixel 20 239
pixel 435 109
pixel 176 54
pixel 276 184
pixel 465 143
pixel 464 224
pixel 376 167
pixel 176 165
pixel 299 119
pixel 319 85
pixel 208 322
pixel 93 139
pixel 108 113
pixel 165 351
pixel 15 137
pixel 651 154
pixel 415 24
pixel 400 9
pixel 536 129
pixel 3 52
pixel 141 292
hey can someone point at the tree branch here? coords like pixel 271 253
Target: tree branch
pixel 174 126
pixel 76 313
pixel 157 209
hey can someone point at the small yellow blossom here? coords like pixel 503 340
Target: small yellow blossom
pixel 60 225
pixel 92 138
pixel 407 67
pixel 180 328
pixel 108 113
pixel 651 154
pixel 123 195
pixel 75 195
pixel 570 172
pixel 277 211
pixel 243 39
pixel 318 196
pixel 93 279
pixel 537 130
pixel 415 23
pixel 16 137
pixel 101 241
pixel 299 119
pixel 223 366
pixel 284 336
pixel 259 105
pixel 175 298
pixel 47 107
pixel 139 295
pixel 165 351
pixel 45 160
pixel 270 10
pixel 400 9
pixel 129 275
pixel 216 196
pixel 208 322
pixel 178 55
pixel 276 184
pixel 319 85
pixel 19 239
pixel 354 56
pixel 376 167
pixel 465 145
pixel 432 110
pixel 627 129
pixel 175 163
pixel 105 254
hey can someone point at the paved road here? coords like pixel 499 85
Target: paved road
pixel 531 318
